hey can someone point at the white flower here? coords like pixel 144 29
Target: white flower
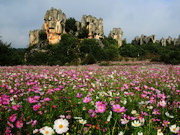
pixel 110 116
pixel 121 133
pixel 136 123
pixel 159 132
pixel 174 128
pixel 150 107
pixel 168 115
pixel 134 112
pixel 140 133
pixel 61 126
pixel 46 130
pixel 35 131
pixel 77 118
pixel 82 121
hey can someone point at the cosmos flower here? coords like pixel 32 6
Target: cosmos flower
pixel 101 108
pixel 118 109
pixel 136 123
pixel 61 126
pixel 174 128
pixel 124 121
pixel 46 130
pixel 13 117
pixel 87 99
pixel 82 121
pixel 159 132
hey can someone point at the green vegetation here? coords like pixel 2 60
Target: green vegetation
pixel 73 50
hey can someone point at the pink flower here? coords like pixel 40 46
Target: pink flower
pixel 36 107
pixel 118 109
pixel 13 117
pixel 16 107
pixel 79 95
pixel 19 124
pixel 47 99
pixel 32 100
pixel 156 112
pixel 34 122
pixel 87 99
pixel 101 108
pixel 162 103
pixel 124 121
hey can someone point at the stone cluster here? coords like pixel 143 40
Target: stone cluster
pixel 116 34
pixel 54 26
pixel 94 26
pixel 152 39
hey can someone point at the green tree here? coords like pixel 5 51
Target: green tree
pixel 8 55
pixel 70 26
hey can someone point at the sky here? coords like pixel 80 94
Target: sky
pixel 134 17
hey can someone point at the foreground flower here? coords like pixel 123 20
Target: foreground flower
pixel 136 123
pixel 46 130
pixel 101 108
pixel 121 133
pixel 174 128
pixel 159 132
pixel 140 133
pixel 13 117
pixel 61 126
pixel 82 121
pixel 36 107
pixel 87 99
pixel 124 121
pixel 118 109
pixel 19 124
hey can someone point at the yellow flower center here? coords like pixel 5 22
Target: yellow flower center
pixel 47 132
pixel 61 126
pixel 118 109
pixel 174 129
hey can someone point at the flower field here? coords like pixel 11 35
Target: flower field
pixel 92 100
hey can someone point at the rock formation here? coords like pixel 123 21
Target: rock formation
pixel 94 25
pixel 34 37
pixel 54 24
pixel 144 39
pixel 163 42
pixel 177 41
pixel 117 34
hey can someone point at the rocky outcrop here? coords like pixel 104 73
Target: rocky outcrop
pixel 144 39
pixel 34 37
pixel 54 24
pixel 94 25
pixel 177 41
pixel 116 34
pixel 163 42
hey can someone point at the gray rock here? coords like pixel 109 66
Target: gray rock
pixel 116 34
pixel 94 25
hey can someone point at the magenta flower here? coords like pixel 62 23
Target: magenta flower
pixel 19 124
pixel 36 107
pixel 156 112
pixel 32 100
pixel 16 107
pixel 162 103
pixel 79 95
pixel 101 108
pixel 117 108
pixel 12 118
pixel 87 99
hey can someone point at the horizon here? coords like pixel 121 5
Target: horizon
pixel 135 18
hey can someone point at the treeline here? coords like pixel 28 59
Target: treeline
pixel 74 51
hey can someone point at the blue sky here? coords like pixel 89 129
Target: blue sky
pixel 135 17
